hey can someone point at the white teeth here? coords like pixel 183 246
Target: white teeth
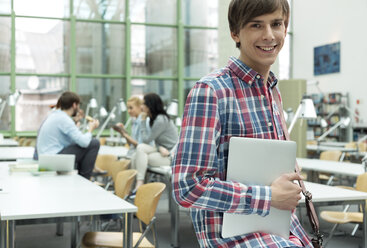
pixel 267 48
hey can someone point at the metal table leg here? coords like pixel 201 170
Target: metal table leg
pixel 175 219
pixel 3 234
pixel 75 232
pixel 364 240
pixel 128 233
pixel 11 233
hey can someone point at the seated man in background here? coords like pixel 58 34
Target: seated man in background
pixel 58 134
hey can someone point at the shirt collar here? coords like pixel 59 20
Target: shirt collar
pixel 247 74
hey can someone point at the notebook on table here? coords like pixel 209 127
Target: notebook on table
pixel 258 162
pixel 56 162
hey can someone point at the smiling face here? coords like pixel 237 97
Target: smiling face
pixel 261 40
pixel 133 109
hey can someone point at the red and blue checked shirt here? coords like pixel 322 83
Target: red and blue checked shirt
pixel 230 102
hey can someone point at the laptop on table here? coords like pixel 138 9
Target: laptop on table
pixel 56 162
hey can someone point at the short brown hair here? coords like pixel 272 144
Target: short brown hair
pixel 241 12
pixel 67 99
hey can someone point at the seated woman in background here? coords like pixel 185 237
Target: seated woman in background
pixel 162 131
pixel 134 105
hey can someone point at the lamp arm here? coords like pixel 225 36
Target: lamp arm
pixel 350 111
pixel 359 141
pixel 294 118
pixel 106 122
pixel 127 122
pixel 329 131
pixel 85 119
pixel 2 108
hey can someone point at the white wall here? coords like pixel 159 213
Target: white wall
pixel 320 22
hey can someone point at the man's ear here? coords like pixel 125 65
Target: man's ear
pixel 235 37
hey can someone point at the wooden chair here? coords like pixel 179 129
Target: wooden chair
pixel 147 197
pixel 329 155
pixel 122 185
pixel 344 217
pixel 117 166
pixel 123 182
pixel 102 165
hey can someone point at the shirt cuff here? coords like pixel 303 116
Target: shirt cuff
pixel 260 201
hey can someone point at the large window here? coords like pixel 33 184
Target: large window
pixel 91 48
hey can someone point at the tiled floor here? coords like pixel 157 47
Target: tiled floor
pixel 42 236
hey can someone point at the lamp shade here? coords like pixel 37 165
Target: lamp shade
pixel 172 108
pixel 93 103
pixel 13 98
pixel 345 122
pixel 307 109
pixel 121 105
pixel 103 112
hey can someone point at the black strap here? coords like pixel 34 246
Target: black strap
pixel 311 212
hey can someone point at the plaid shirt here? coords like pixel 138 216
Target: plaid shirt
pixel 230 102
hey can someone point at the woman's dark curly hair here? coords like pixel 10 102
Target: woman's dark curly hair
pixel 155 105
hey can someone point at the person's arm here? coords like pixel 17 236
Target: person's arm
pixel 72 131
pixel 121 129
pixel 158 127
pixel 196 166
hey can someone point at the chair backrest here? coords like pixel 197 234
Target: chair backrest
pixel 146 199
pixel 330 155
pixel 116 166
pixel 124 181
pixel 352 145
pixel 361 184
pixel 103 161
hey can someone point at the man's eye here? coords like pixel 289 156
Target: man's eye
pixel 277 24
pixel 255 25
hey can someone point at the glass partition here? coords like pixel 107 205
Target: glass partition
pixel 4 107
pixel 42 46
pixel 39 95
pixel 153 51
pixel 154 11
pixel 200 13
pixel 100 48
pixel 42 8
pixel 201 53
pixel 100 10
pixel 5 39
pixel 5 6
pixel 166 89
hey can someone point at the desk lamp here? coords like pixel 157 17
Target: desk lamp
pixel 91 104
pixel 11 101
pixel 344 122
pixel 121 106
pixel 172 110
pixel 305 110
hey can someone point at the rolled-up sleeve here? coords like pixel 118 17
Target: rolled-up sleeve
pixel 197 168
pixel 79 138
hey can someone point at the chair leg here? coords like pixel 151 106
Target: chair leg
pixel 355 229
pixel 60 228
pixel 331 234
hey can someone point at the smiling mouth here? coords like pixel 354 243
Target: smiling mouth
pixel 267 48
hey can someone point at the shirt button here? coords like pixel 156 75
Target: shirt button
pixel 262 97
pixel 258 76
pixel 269 124
pixel 250 82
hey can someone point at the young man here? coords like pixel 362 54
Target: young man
pixel 59 134
pixel 236 101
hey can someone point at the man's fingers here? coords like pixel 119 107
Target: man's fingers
pixel 294 176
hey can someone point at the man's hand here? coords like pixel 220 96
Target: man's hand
pixel 93 125
pixel 286 193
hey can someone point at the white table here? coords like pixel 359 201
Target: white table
pixel 323 195
pixel 55 198
pixel 333 167
pixel 335 143
pixel 14 153
pixel 8 142
pixel 321 148
pixel 116 140
pixel 119 151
